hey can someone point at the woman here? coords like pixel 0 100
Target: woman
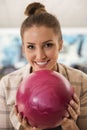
pixel 42 41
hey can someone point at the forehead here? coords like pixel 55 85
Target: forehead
pixel 40 32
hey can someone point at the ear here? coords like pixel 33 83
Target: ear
pixel 60 45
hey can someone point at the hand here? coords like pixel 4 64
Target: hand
pixel 23 121
pixel 69 122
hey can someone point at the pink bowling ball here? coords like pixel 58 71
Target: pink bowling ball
pixel 43 98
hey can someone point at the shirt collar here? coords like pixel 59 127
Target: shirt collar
pixel 61 69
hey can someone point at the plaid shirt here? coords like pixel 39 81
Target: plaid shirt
pixel 8 89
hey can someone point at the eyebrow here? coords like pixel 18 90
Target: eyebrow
pixel 42 42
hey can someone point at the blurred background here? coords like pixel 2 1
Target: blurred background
pixel 73 19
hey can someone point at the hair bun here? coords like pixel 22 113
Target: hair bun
pixel 34 8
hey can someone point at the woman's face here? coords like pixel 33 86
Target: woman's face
pixel 41 47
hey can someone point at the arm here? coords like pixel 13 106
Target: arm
pixel 69 125
pixel 4 109
pixel 82 120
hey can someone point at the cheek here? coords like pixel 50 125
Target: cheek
pixel 29 56
pixel 53 54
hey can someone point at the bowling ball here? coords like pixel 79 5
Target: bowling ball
pixel 43 98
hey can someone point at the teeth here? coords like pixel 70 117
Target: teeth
pixel 41 63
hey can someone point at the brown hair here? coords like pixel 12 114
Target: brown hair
pixel 37 15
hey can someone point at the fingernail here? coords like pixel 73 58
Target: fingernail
pixel 71 102
pixel 67 115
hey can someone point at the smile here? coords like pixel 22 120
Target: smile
pixel 42 63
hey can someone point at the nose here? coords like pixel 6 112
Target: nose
pixel 40 54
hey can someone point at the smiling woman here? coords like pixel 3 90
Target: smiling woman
pixel 41 42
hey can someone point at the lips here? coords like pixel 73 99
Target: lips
pixel 41 63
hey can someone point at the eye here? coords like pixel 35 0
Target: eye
pixel 47 45
pixel 31 46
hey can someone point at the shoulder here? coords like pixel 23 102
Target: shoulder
pixel 15 77
pixel 77 78
pixel 10 83
pixel 71 72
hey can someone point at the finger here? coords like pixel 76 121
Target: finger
pixel 72 113
pixel 16 109
pixel 25 122
pixel 75 106
pixel 76 98
pixel 20 117
pixel 66 115
pixel 34 128
pixel 64 121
